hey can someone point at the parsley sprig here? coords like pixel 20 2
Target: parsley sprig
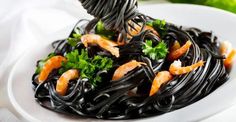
pixel 159 25
pixel 155 52
pixel 88 67
pixel 101 30
pixel 74 39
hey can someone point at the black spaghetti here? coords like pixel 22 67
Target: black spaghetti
pixel 158 68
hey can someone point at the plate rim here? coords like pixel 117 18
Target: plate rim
pixel 11 97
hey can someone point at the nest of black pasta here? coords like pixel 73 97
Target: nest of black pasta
pixel 128 97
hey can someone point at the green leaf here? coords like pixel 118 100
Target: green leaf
pixel 87 66
pixel 101 30
pixel 149 23
pixel 155 52
pixel 229 5
pixel 39 67
pixel 74 40
pixel 159 26
pixel 102 63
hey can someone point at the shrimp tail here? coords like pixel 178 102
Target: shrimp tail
pixel 161 78
pixel 229 60
pixel 125 68
pixel 115 51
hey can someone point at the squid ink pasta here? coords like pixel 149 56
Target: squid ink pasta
pixel 117 15
pixel 132 67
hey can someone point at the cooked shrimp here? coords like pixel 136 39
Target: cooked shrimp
pixel 125 68
pixel 52 63
pixel 229 59
pixel 175 46
pixel 179 52
pixel 62 82
pixel 176 69
pixel 161 78
pixel 102 42
pixel 225 48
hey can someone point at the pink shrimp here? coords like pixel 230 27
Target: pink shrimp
pixel 229 59
pixel 62 82
pixel 125 68
pixel 102 42
pixel 227 50
pixel 176 69
pixel 161 78
pixel 179 52
pixel 52 63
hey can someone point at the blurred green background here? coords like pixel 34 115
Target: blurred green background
pixel 229 5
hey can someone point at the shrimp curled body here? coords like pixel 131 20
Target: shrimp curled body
pixel 102 42
pixel 161 78
pixel 176 69
pixel 52 63
pixel 62 82
pixel 177 53
pixel 125 68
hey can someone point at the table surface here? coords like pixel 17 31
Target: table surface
pixel 6 110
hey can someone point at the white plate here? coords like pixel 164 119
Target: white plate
pixel 222 23
pixel 4 42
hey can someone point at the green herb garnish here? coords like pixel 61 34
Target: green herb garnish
pixel 88 67
pixel 74 39
pixel 155 52
pixel 101 30
pixel 159 25
pixel 42 62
